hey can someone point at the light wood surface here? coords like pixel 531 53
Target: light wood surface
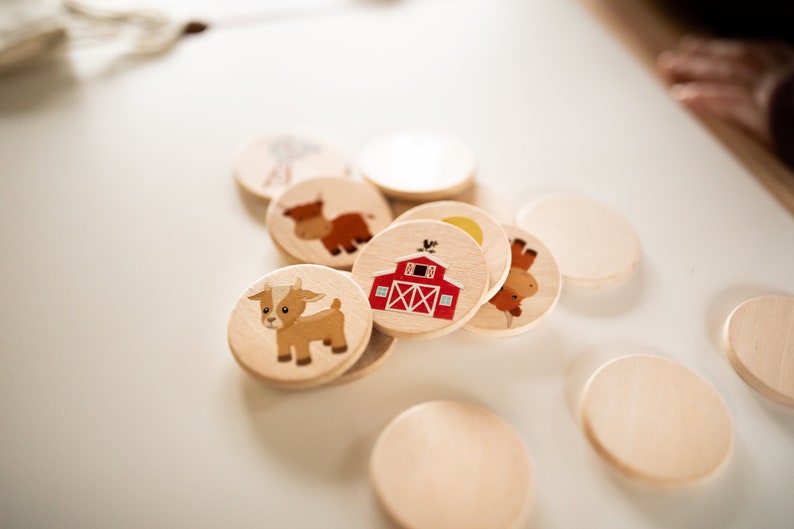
pixel 418 164
pixel 268 163
pixel 760 343
pixel 268 344
pixel 452 257
pixel 379 349
pixel 326 220
pixel 488 233
pixel 593 245
pixel 530 291
pixel 656 420
pixel 451 465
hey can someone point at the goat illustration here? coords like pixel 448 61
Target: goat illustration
pixel 342 232
pixel 520 284
pixel 282 310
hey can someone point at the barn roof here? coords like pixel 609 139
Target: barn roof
pixel 422 254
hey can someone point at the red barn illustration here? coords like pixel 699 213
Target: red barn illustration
pixel 416 286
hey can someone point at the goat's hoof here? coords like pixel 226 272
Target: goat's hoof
pixel 326 342
pixel 351 249
pixel 285 358
pixel 335 251
pixel 303 361
pixel 340 349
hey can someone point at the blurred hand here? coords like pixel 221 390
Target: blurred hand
pixel 730 80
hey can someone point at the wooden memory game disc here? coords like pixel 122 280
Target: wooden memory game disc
pixel 760 338
pixel 300 326
pixel 656 420
pixel 268 163
pixel 448 464
pixel 418 165
pixel 488 233
pixel 593 245
pixel 326 220
pixel 423 278
pixel 530 291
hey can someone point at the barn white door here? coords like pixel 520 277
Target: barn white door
pixel 413 298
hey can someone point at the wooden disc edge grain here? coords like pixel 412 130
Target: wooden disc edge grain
pixel 437 194
pixel 634 473
pixel 744 373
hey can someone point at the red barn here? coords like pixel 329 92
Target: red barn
pixel 417 286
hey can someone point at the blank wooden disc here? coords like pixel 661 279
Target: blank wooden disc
pixel 760 338
pixel 530 291
pixel 300 326
pixel 326 220
pixel 267 164
pixel 423 278
pixel 656 420
pixel 592 244
pixel 418 165
pixel 488 233
pixel 447 464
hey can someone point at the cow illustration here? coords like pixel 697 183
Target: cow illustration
pixel 520 284
pixel 282 310
pixel 343 232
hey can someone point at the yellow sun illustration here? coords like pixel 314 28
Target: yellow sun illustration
pixel 467 225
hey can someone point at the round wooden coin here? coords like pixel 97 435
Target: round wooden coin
pixel 423 278
pixel 451 464
pixel 488 233
pixel 656 420
pixel 530 291
pixel 418 165
pixel 760 339
pixel 300 326
pixel 326 220
pixel 268 163
pixel 592 244
pixel 483 196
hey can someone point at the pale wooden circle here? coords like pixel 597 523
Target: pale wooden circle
pixel 268 163
pixel 451 464
pixel 760 338
pixel 483 196
pixel 494 243
pixel 453 293
pixel 379 349
pixel 256 347
pixel 593 245
pixel 656 420
pixel 418 164
pixel 350 214
pixel 543 273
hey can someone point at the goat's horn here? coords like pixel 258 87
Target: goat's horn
pixel 297 284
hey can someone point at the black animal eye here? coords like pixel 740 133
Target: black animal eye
pixel 513 297
pixel 284 310
pixel 266 310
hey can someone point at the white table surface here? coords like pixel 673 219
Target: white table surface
pixel 125 243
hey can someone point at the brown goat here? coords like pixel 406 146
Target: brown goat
pixel 282 308
pixel 343 231
pixel 520 284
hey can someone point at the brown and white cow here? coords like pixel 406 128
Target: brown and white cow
pixel 343 232
pixel 520 284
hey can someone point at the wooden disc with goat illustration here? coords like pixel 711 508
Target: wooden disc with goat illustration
pixel 655 420
pixel 593 245
pixel 530 291
pixel 488 233
pixel 423 278
pixel 269 163
pixel 451 464
pixel 378 350
pixel 760 339
pixel 326 220
pixel 418 165
pixel 300 326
